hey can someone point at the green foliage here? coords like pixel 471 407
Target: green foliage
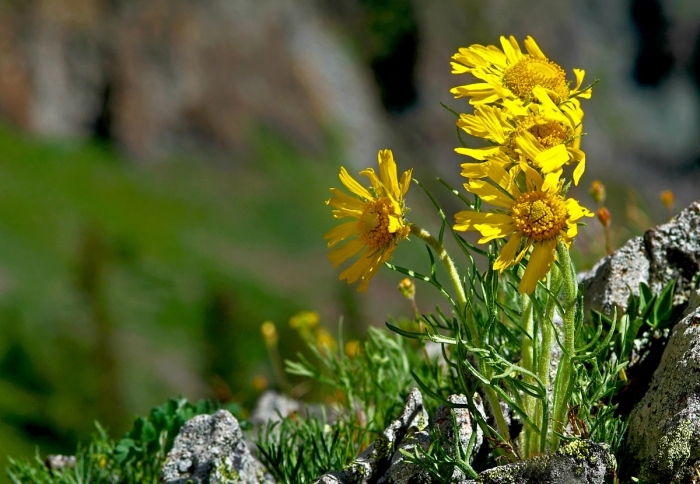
pixel 136 458
pixel 300 449
pixel 370 388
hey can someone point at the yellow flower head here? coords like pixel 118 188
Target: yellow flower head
pixel 379 226
pixel 304 319
pixel 508 73
pixel 537 217
pixel 546 134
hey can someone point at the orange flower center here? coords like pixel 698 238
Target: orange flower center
pixel 373 226
pixel 531 71
pixel 539 215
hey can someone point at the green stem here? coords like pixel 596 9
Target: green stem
pixel 547 328
pixel 528 324
pixel 444 257
pixel 564 372
pixel 442 254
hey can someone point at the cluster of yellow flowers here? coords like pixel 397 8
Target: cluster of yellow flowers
pixel 532 120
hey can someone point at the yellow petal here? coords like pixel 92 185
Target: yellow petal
pixel 475 170
pixel 532 47
pixel 360 266
pixel 341 254
pixel 509 51
pixel 538 266
pixel 578 171
pixel 579 73
pixel 340 233
pixel 406 181
pixel 353 186
pixel 551 183
pixel 532 176
pixel 374 268
pixel 492 230
pixel 467 219
pixel 388 173
pixel 552 159
pixel 489 193
pixel 508 252
pixel 374 180
pixel 575 211
pixel 478 153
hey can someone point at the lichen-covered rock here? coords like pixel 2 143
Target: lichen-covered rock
pixel 607 285
pixel 210 450
pixel 668 252
pixel 373 462
pixel 465 423
pixel 403 472
pixel 59 462
pixel 579 462
pixel 674 251
pixel 664 430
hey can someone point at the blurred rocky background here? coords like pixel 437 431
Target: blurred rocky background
pixel 163 167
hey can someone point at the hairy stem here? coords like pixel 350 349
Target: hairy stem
pixel 527 358
pixel 487 371
pixel 569 289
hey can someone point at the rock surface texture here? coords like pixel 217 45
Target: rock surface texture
pixel 665 253
pixel 210 450
pixel 580 462
pixel 664 430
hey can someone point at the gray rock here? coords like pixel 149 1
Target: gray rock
pixel 59 462
pixel 465 424
pixel 271 405
pixel 403 472
pixel 210 450
pixel 664 430
pixel 378 455
pixel 607 285
pixel 579 462
pixel 674 251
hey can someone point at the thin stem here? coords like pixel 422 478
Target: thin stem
pixel 444 257
pixel 547 328
pixel 442 254
pixel 569 288
pixel 526 362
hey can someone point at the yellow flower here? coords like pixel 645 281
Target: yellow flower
pixel 511 74
pixel 537 216
pixel 304 319
pixel 380 223
pixel 546 134
pixel 324 339
pixel 269 332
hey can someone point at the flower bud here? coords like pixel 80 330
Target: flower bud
pixel 604 216
pixel 597 191
pixel 269 333
pixel 259 383
pixel 352 348
pixel 304 319
pixel 407 288
pixel 667 198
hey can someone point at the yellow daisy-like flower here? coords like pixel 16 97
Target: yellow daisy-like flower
pixel 511 74
pixel 380 223
pixel 546 134
pixel 536 217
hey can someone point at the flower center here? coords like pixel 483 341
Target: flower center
pixel 373 226
pixel 539 215
pixel 531 71
pixel 548 132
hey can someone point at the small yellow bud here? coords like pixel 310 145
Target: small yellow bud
pixel 604 216
pixel 407 288
pixel 324 339
pixel 668 199
pixel 259 383
pixel 597 191
pixel 269 332
pixel 352 348
pixel 304 319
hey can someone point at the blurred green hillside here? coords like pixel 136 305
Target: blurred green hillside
pixel 121 286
